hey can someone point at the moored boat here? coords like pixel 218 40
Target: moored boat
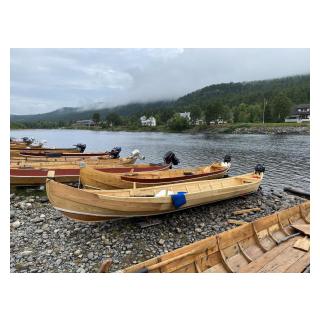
pixel 275 243
pixel 101 205
pixel 93 179
pixel 69 174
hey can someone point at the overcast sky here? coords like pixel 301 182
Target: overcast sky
pixel 43 80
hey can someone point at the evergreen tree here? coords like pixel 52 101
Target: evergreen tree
pixel 96 117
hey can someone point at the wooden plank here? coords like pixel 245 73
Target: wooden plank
pixel 305 228
pixel 237 222
pixel 218 268
pixel 302 244
pixel 258 264
pixel 51 174
pixel 283 261
pixel 300 265
pixel 245 211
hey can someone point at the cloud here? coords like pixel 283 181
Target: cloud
pixel 43 80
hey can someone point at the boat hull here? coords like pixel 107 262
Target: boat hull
pixel 128 203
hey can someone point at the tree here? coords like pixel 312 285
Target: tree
pixel 113 119
pixel 281 107
pixel 178 123
pixel 96 117
pixel 195 113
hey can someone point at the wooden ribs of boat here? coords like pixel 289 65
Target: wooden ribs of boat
pixel 265 245
pixel 69 174
pixel 94 179
pixel 101 205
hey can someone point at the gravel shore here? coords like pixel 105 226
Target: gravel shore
pixel 42 240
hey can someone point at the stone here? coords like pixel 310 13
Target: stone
pixel 43 199
pixel 58 262
pixel 77 252
pixel 178 230
pixel 26 253
pixel 90 255
pixel 38 231
pixel 42 216
pixel 16 224
pixel 198 230
pixel 161 242
pixel 128 252
pixel 81 270
pixel 12 213
pixel 202 224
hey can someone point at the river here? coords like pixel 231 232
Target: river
pixel 285 157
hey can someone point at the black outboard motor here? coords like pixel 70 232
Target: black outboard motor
pixel 81 147
pixel 227 158
pixel 115 152
pixel 259 168
pixel 27 140
pixel 170 158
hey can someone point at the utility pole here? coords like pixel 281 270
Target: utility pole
pixel 264 108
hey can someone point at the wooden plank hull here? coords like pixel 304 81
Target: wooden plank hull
pixel 65 160
pixel 16 150
pixel 105 204
pixel 32 176
pixel 93 179
pixel 264 245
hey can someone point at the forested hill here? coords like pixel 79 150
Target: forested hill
pixel 296 88
pixel 207 101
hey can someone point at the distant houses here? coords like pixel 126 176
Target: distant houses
pixel 299 113
pixel 149 122
pixel 185 115
pixel 84 123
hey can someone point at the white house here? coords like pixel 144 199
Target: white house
pixel 185 115
pixel 299 113
pixel 151 122
pixel 199 122
pixel 85 123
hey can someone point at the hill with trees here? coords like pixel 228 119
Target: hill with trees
pixel 233 102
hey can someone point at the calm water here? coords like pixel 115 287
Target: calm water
pixel 286 157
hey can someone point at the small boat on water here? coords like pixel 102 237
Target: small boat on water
pixel 94 179
pixel 275 243
pixel 101 205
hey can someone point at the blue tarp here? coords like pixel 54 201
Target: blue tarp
pixel 179 199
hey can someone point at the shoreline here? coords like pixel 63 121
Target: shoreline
pixel 43 240
pixel 252 128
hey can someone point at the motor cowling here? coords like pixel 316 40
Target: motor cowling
pixel 170 158
pixel 27 140
pixel 115 152
pixel 259 168
pixel 81 147
pixel 136 154
pixel 227 158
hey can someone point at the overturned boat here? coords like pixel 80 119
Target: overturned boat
pixel 94 179
pixel 101 205
pixel 276 243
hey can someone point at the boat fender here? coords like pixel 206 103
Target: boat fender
pixel 179 199
pixel 259 168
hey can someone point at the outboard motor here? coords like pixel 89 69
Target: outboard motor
pixel 136 154
pixel 227 158
pixel 27 140
pixel 259 168
pixel 170 158
pixel 81 147
pixel 115 152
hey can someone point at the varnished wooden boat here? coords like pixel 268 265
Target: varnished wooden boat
pixel 94 179
pixel 16 151
pixel 269 244
pixel 45 154
pixel 101 205
pixel 69 174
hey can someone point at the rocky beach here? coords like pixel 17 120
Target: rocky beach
pixel 43 240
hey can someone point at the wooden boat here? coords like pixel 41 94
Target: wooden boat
pixel 275 243
pixel 42 154
pixel 94 179
pixel 101 205
pixel 69 174
pixel 16 151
